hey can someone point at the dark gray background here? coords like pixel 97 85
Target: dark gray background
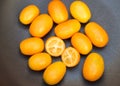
pixel 13 65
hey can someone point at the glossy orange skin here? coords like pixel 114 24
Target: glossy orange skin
pixel 80 11
pixel 66 29
pixel 97 34
pixel 82 43
pixel 41 25
pixel 54 73
pixel 32 45
pixel 93 67
pixel 28 14
pixel 39 61
pixel 58 11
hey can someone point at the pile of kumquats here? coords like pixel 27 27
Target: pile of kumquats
pixel 42 52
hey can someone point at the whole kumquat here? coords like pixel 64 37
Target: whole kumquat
pixel 39 61
pixel 97 34
pixel 28 14
pixel 93 67
pixel 32 45
pixel 82 43
pixel 66 29
pixel 54 73
pixel 41 25
pixel 79 10
pixel 58 11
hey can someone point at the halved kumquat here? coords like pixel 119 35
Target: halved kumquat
pixel 70 57
pixel 55 46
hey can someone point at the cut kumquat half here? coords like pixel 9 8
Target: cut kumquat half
pixel 70 57
pixel 54 46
